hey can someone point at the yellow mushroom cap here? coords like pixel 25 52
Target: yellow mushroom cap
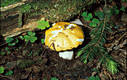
pixel 64 36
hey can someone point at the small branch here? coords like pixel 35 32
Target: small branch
pixel 12 6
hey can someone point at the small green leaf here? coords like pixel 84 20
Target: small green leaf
pixel 95 20
pixel 33 39
pixel 42 41
pixel 90 15
pixel 30 37
pixel 86 18
pixel 43 24
pixel 92 24
pixel 1 69
pixel 31 33
pixel 9 73
pixel 100 15
pixel 21 37
pixel 84 14
pixel 9 39
pixel 27 38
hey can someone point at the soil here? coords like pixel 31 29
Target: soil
pixel 36 62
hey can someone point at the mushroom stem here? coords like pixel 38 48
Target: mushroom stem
pixel 66 55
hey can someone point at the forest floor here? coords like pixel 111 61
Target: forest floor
pixel 37 62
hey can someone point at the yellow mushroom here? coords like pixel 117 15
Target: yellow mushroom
pixel 63 36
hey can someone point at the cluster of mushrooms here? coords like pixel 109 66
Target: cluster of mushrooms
pixel 63 37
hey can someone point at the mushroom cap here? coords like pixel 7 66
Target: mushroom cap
pixel 64 36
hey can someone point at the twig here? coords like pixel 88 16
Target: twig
pixel 113 46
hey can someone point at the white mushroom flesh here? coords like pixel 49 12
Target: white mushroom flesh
pixel 68 55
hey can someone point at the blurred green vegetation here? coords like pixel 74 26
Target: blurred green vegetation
pixel 54 11
pixel 8 2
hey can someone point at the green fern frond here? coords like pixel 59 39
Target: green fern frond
pixel 112 66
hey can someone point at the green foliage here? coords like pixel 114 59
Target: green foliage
pixel 94 78
pixel 123 9
pixel 1 69
pixel 43 24
pixel 9 73
pixel 25 8
pixel 87 16
pixel 8 50
pixel 8 2
pixel 94 22
pixel 21 37
pixel 42 41
pixel 11 41
pixel 100 26
pixel 112 66
pixel 100 15
pixel 30 37
pixel 54 78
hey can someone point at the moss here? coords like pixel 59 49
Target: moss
pixel 25 8
pixel 55 10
